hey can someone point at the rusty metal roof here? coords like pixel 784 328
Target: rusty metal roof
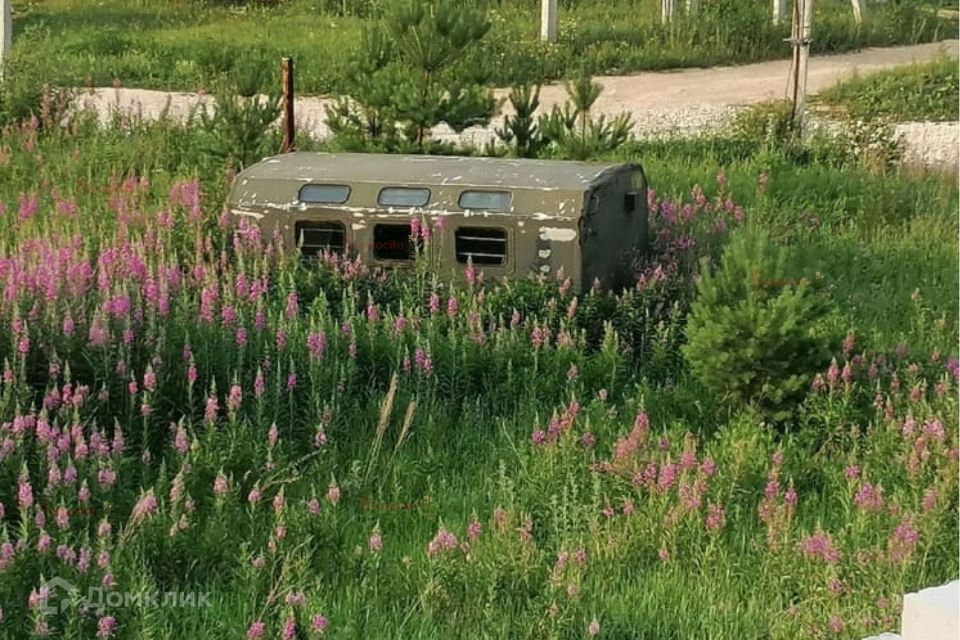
pixel 390 169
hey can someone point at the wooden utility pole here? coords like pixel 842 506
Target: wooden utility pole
pixel 6 30
pixel 802 49
pixel 548 20
pixel 289 125
pixel 859 10
pixel 668 9
pixel 779 11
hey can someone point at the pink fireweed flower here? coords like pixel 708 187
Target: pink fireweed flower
pixel 180 440
pixel 317 344
pixel 106 477
pixel 256 630
pixel 668 474
pixel 593 628
pixel 933 429
pixel 833 372
pixel 220 485
pixel 319 624
pixel 820 546
pixel 474 529
pixel 902 542
pixel 333 493
pixel 291 382
pixel 708 467
pixel 836 624
pixel 587 440
pixel 295 599
pixel 313 506
pixel 38 597
pixel 373 313
pixel 930 498
pixel 433 305
pixel 470 272
pixel 105 626
pixel 235 399
pixel 852 472
pixel 293 306
pixel 452 307
pixel 663 554
pixel 103 529
pixel 62 518
pixel 43 542
pixel 259 384
pixel 716 518
pixel 24 492
pixel 146 506
pixel 868 498
pixel 254 496
pixel 278 502
pixel 375 543
pixel 442 541
pixel 211 409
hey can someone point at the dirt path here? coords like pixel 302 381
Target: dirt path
pixel 682 101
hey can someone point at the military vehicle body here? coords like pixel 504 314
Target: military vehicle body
pixel 509 217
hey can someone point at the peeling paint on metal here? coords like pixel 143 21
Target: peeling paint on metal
pixel 557 234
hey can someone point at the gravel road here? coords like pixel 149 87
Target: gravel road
pixel 682 102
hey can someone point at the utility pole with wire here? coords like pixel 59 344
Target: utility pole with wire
pixel 6 30
pixel 801 55
pixel 548 20
pixel 779 11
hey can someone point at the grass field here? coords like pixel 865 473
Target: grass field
pixel 328 451
pixel 929 91
pixel 189 45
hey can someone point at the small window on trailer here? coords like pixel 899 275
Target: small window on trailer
pixel 314 237
pixel 485 200
pixel 481 245
pixel 393 242
pixel 324 193
pixel 403 197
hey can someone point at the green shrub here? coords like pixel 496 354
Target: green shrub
pixel 751 331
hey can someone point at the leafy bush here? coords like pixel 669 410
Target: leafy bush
pixel 751 331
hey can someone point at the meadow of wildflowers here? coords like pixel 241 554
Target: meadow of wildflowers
pixel 328 450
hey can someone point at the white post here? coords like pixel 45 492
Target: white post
pixel 859 9
pixel 6 29
pixel 803 59
pixel 779 11
pixel 548 20
pixel 668 10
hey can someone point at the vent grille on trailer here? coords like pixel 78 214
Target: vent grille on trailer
pixel 481 245
pixel 316 237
